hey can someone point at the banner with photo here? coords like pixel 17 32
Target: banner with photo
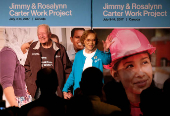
pixel 61 15
pixel 20 18
pixel 151 17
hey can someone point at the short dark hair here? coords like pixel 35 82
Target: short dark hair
pixel 75 29
pixel 48 77
pixel 55 36
pixel 86 33
pixel 92 81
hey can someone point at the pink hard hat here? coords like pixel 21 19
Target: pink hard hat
pixel 127 42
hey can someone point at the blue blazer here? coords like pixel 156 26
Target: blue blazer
pixel 98 60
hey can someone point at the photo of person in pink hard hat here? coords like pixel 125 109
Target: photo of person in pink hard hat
pixel 131 70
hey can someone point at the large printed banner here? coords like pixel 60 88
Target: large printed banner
pixel 66 13
pixel 131 13
pixel 28 13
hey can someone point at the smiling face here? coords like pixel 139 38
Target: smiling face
pixel 76 40
pixel 90 43
pixel 43 34
pixel 135 73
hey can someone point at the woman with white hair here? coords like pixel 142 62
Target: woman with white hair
pixel 12 71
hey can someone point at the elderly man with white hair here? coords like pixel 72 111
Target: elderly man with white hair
pixel 46 53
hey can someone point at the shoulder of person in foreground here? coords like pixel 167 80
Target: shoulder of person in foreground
pixel 152 99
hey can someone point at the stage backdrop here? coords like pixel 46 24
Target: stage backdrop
pixel 151 17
